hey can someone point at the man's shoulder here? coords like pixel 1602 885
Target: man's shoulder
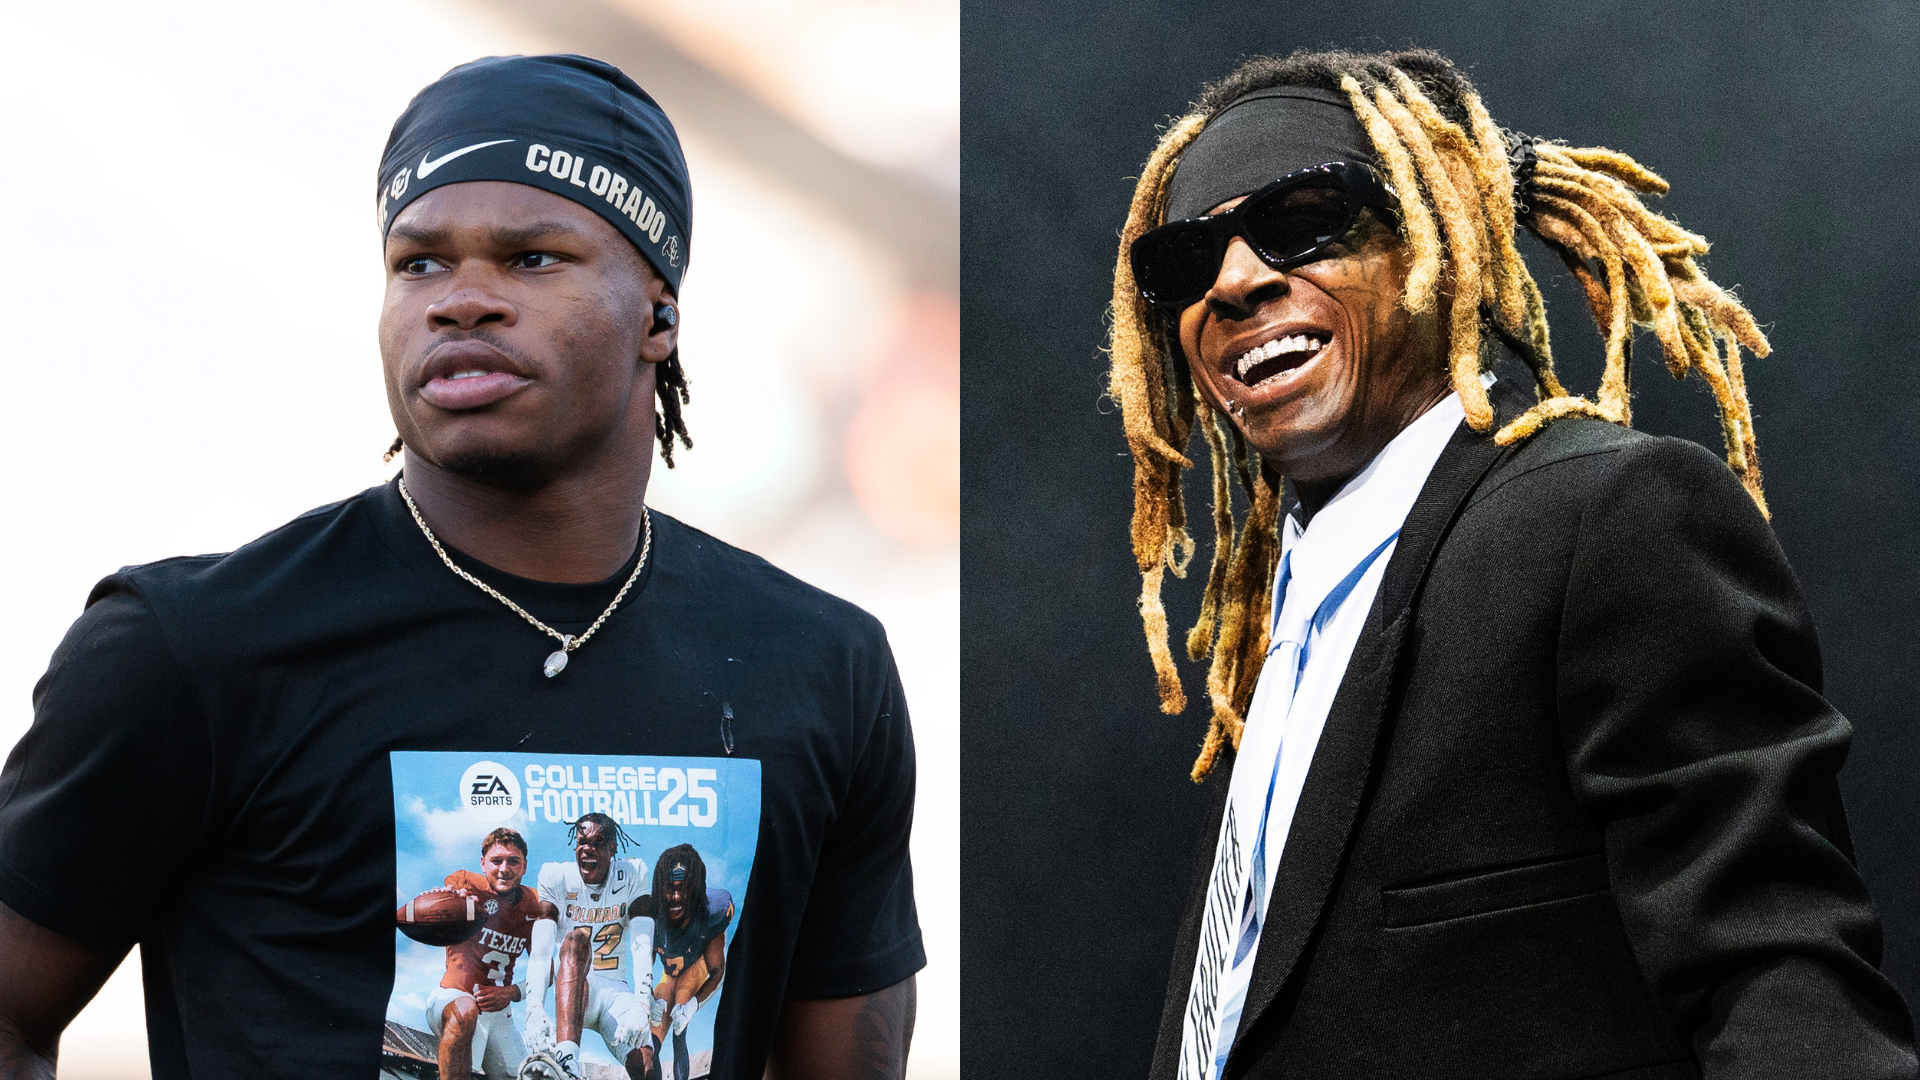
pixel 467 879
pixel 630 877
pixel 222 602
pixel 737 585
pixel 284 555
pixel 1573 438
pixel 1573 459
pixel 553 875
pixel 719 909
pixel 1589 486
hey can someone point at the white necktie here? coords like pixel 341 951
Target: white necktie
pixel 1289 646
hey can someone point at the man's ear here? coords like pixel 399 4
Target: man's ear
pixel 663 330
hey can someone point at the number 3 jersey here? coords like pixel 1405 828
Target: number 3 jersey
pixel 680 946
pixel 603 909
pixel 488 957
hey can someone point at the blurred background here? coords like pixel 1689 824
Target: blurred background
pixel 1788 134
pixel 194 360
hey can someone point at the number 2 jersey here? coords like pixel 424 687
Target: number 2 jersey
pixel 603 909
pixel 488 957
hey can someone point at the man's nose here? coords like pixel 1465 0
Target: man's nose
pixel 467 307
pixel 1244 282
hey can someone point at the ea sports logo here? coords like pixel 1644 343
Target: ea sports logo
pixel 489 791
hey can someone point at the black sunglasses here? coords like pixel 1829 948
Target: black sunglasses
pixel 1289 222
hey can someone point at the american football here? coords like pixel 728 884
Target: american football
pixel 441 917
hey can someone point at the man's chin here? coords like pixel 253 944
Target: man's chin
pixel 500 468
pixel 1290 436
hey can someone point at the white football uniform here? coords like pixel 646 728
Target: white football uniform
pixel 620 975
pixel 497 1049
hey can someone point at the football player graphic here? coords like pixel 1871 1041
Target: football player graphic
pixel 468 1012
pixel 603 954
pixel 690 937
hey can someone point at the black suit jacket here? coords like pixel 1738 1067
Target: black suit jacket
pixel 1574 812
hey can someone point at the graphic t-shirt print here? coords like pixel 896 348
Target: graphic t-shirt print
pixel 639 863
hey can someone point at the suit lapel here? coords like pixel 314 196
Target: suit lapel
pixel 1343 761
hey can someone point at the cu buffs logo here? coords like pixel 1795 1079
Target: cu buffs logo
pixel 399 185
pixel 671 249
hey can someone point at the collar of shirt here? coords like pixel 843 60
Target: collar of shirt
pixel 1363 513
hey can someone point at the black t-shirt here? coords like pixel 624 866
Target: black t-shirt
pixel 238 762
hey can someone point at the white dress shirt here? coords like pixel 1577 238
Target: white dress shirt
pixel 1329 572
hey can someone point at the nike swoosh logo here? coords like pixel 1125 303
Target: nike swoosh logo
pixel 427 166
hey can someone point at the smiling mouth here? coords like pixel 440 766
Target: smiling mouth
pixel 1277 358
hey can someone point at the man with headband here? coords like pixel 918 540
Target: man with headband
pixel 231 718
pixel 1518 758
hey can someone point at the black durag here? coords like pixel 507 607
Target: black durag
pixel 1260 138
pixel 572 125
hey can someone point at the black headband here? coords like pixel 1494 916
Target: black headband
pixel 1259 139
pixel 571 125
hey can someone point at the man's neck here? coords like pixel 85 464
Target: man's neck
pixel 577 528
pixel 1315 493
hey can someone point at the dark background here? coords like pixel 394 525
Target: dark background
pixel 1789 138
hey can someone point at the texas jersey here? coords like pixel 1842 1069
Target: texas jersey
pixel 603 909
pixel 489 956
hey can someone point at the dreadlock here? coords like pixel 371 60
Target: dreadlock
pixel 1455 176
pixel 669 386
pixel 608 827
pixel 682 855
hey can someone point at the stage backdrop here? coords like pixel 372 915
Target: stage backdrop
pixel 1788 137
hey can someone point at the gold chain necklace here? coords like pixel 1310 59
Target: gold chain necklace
pixel 557 660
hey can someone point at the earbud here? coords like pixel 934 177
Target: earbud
pixel 665 316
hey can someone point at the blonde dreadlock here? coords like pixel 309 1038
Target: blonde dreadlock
pixel 1454 173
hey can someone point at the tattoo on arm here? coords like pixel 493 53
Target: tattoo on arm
pixel 19 1059
pixel 852 1038
pixel 45 978
pixel 882 1030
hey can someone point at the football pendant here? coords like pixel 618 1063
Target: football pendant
pixel 556 663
